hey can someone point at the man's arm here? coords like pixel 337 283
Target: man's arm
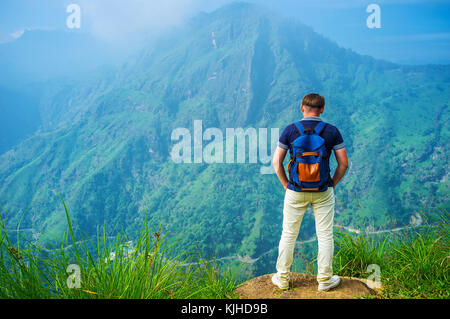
pixel 342 161
pixel 278 158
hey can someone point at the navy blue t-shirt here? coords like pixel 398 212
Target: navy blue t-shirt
pixel 331 135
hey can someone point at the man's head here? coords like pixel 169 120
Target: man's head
pixel 313 105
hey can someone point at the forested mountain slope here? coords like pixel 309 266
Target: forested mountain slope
pixel 105 143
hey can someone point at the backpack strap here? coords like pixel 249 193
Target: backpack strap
pixel 320 127
pixel 300 128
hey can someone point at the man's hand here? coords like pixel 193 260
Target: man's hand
pixel 342 160
pixel 278 158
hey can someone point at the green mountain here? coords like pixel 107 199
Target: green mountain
pixel 105 142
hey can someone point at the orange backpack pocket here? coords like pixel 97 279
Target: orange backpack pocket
pixel 308 172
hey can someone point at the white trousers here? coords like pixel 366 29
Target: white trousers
pixel 295 205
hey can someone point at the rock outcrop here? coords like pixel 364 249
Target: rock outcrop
pixel 302 286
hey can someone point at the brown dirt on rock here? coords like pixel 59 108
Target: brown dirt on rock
pixel 302 286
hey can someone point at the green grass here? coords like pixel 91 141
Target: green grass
pixel 413 264
pixel 108 268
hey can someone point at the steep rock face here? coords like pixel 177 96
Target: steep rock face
pixel 105 143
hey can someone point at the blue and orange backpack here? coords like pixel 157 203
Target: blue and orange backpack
pixel 308 170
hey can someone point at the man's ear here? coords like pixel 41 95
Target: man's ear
pixel 302 108
pixel 322 109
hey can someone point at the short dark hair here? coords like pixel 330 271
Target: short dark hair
pixel 314 100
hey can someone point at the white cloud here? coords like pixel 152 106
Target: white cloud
pixel 419 37
pixel 112 19
pixel 17 34
pixel 344 4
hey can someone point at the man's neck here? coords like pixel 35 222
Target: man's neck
pixel 310 115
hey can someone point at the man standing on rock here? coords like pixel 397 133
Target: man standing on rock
pixel 310 143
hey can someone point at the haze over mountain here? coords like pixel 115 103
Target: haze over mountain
pixel 104 142
pixel 40 55
pixel 39 60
